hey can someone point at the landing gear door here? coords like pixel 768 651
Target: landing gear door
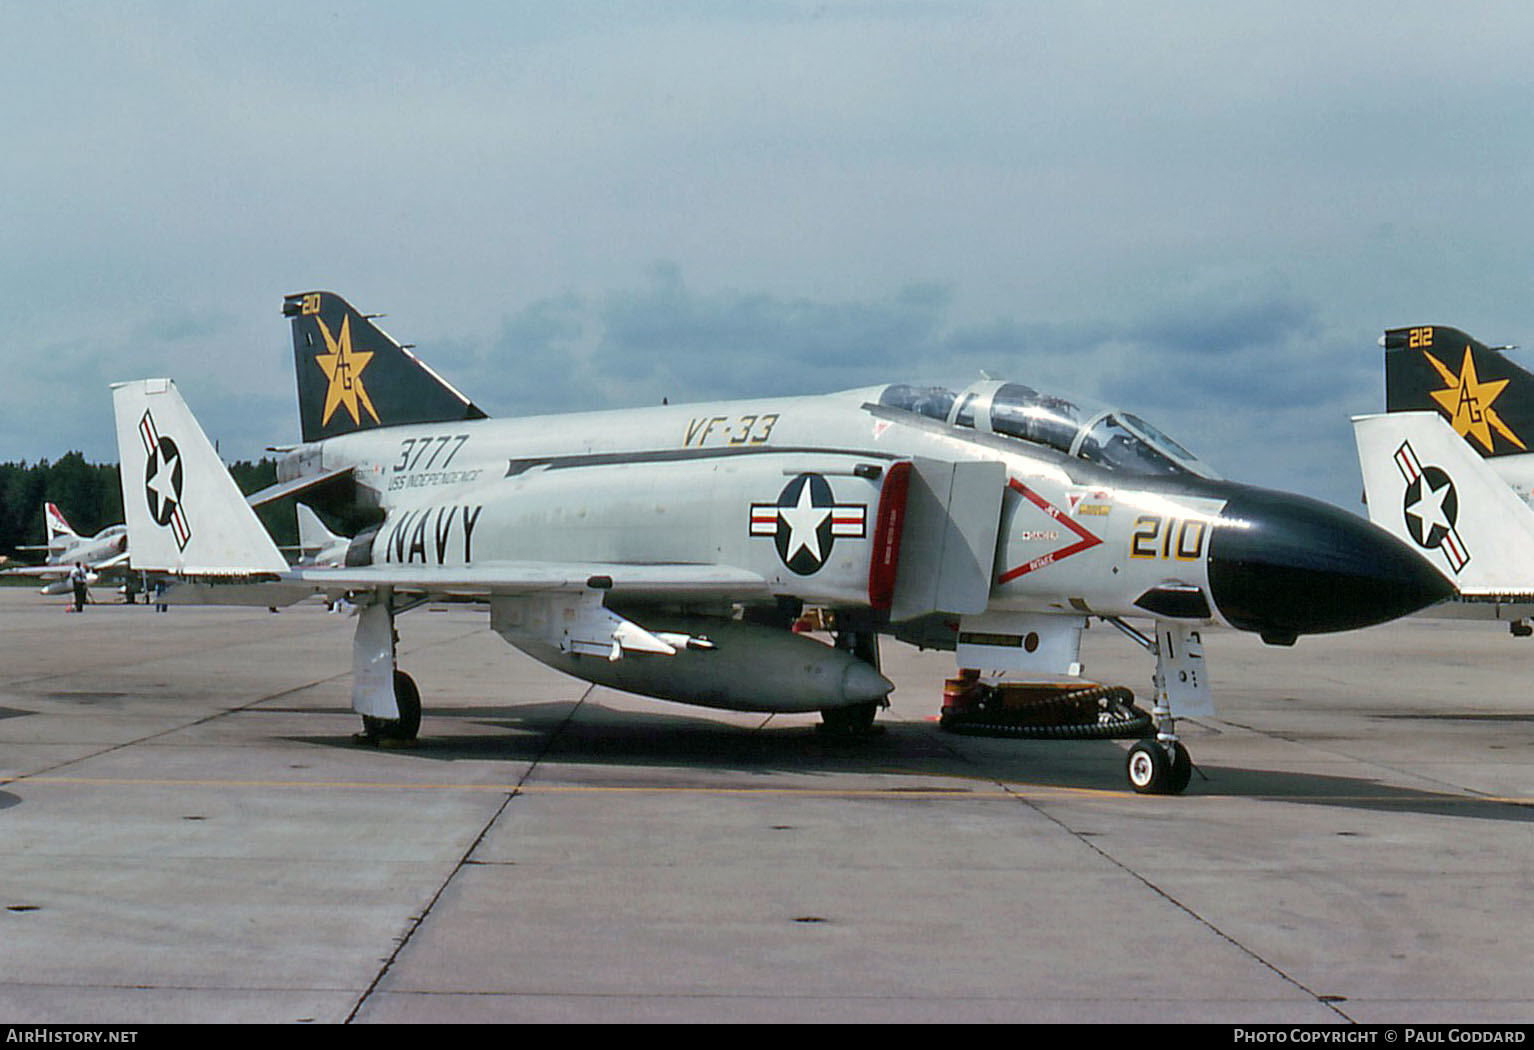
pixel 1183 677
pixel 948 544
pixel 373 662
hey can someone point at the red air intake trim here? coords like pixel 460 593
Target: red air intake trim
pixel 888 523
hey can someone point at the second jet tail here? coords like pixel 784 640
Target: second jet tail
pixel 1486 398
pixel 60 532
pixel 1424 485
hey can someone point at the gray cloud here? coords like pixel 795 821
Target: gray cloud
pixel 1242 373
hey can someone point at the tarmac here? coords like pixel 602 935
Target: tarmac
pixel 191 835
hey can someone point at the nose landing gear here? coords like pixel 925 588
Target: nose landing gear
pixel 1157 767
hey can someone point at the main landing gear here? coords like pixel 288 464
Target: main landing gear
pixel 855 720
pixel 385 697
pixel 398 732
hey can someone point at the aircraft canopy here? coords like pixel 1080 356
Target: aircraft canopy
pixel 1075 426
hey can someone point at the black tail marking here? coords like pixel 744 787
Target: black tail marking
pixel 352 376
pixel 1486 398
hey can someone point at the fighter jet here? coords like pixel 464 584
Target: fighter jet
pixel 101 554
pixel 666 551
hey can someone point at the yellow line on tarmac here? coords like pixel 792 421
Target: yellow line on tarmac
pixel 1005 792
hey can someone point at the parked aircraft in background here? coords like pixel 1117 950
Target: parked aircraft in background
pixel 103 555
pixel 666 551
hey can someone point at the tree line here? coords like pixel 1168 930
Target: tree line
pixel 90 496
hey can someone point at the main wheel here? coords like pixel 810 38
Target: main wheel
pixel 1148 768
pixel 401 731
pixel 853 720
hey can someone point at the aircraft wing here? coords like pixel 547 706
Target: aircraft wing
pixel 42 572
pixel 512 578
pixel 118 560
pixel 483 581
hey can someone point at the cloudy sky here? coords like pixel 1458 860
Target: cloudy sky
pixel 1206 212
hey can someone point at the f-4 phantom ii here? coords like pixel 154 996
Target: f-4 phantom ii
pixel 103 553
pixel 666 551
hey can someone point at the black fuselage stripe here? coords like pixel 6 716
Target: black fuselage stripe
pixel 680 455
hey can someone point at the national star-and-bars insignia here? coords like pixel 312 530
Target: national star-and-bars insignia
pixel 806 521
pixel 1430 506
pixel 163 475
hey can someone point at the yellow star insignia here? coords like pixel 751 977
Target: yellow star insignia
pixel 1467 402
pixel 343 367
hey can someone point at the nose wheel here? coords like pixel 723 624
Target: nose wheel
pixel 1159 767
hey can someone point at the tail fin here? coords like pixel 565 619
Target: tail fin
pixel 1487 399
pixel 185 514
pixel 1426 487
pixel 352 376
pixel 317 544
pixel 58 528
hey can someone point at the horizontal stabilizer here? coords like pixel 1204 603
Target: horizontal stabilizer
pixel 273 493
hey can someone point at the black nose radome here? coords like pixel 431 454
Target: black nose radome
pixel 1284 565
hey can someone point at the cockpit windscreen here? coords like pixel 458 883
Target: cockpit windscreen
pixel 1083 429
